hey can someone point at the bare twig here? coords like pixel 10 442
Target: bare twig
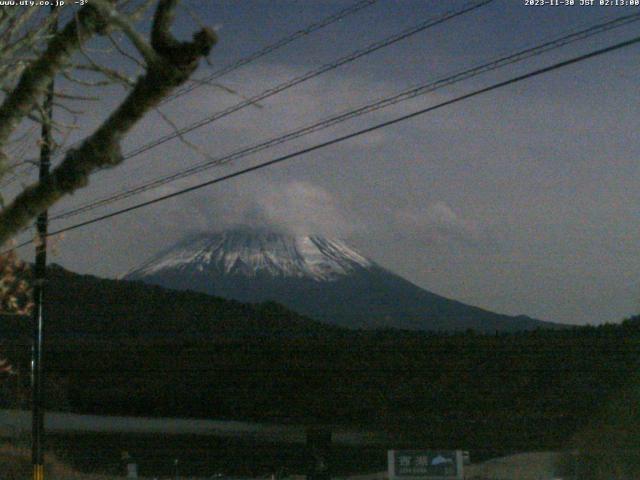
pixel 112 74
pixel 123 52
pixel 225 89
pixel 181 136
pixel 107 9
pixel 36 77
pixel 175 62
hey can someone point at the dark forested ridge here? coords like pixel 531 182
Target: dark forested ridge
pixel 321 278
pixel 127 348
pixel 84 306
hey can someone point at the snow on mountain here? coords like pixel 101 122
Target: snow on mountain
pixel 321 278
pixel 251 253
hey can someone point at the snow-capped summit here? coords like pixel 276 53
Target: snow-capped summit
pixel 254 252
pixel 322 278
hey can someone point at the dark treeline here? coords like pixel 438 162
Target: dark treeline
pixel 129 349
pixel 526 391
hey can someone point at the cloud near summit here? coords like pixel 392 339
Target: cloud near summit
pixel 297 207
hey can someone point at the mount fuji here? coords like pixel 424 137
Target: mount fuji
pixel 319 277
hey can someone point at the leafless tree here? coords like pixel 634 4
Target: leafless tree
pixel 32 53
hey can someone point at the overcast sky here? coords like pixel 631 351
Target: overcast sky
pixel 522 201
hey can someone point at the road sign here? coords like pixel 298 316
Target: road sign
pixel 425 464
pixel 132 470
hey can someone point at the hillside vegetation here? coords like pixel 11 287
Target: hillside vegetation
pixel 127 348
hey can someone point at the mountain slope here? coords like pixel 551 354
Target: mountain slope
pixel 84 307
pixel 322 278
pixel 253 253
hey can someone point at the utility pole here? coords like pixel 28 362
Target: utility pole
pixel 37 370
pixel 319 454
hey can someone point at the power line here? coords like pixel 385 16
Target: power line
pixel 426 24
pixel 313 27
pixel 343 138
pixel 379 104
pixel 402 35
pixel 273 47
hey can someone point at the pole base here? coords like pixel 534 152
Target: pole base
pixel 38 472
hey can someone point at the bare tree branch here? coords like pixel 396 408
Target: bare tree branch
pixel 37 76
pixel 106 8
pixel 200 151
pixel 123 52
pixel 175 61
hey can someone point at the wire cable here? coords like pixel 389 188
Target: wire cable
pixel 349 136
pixel 273 47
pixel 379 104
pixel 313 27
pixel 404 34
